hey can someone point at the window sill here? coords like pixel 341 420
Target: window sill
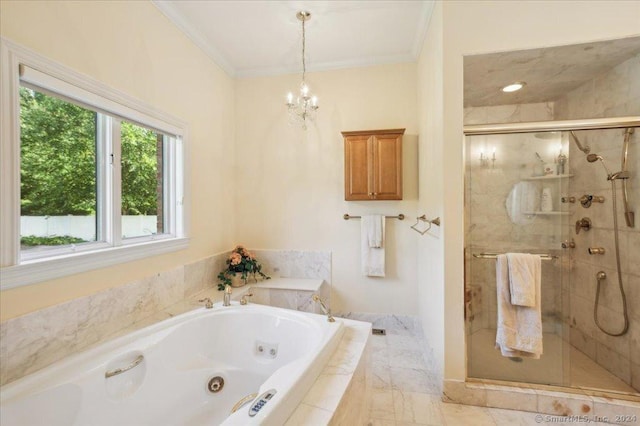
pixel 35 271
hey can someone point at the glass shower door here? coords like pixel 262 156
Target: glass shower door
pixel 515 184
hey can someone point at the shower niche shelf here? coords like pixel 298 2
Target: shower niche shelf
pixel 548 177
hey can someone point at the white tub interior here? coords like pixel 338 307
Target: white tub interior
pixel 253 348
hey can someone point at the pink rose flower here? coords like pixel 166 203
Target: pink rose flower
pixel 235 259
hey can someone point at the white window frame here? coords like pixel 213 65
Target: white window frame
pixel 17 270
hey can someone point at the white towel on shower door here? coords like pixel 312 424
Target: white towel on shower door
pixel 519 328
pixel 524 278
pixel 372 245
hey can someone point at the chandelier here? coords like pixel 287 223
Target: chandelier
pixel 304 106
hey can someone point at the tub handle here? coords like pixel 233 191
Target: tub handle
pixel 243 401
pixel 117 371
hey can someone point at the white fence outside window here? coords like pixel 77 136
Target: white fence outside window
pixel 82 226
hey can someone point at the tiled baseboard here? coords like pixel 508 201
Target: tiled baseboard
pixel 551 400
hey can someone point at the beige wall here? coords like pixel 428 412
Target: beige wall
pixel 290 192
pixel 490 26
pixel 132 47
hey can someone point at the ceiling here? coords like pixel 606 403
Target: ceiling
pixel 252 38
pixel 255 38
pixel 549 72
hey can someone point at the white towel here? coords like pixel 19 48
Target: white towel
pixel 372 245
pixel 519 328
pixel 524 278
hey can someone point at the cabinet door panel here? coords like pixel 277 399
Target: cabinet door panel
pixel 387 164
pixel 357 153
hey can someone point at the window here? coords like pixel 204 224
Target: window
pixel 93 177
pixel 58 195
pixel 142 183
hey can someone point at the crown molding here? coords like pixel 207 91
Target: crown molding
pixel 423 26
pixel 195 36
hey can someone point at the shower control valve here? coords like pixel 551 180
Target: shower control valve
pixel 584 223
pixel 568 199
pixel 586 200
pixel 568 244
pixel 596 250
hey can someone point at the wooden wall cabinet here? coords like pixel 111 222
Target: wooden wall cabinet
pixel 373 165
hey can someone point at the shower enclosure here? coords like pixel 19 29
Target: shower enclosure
pixel 547 188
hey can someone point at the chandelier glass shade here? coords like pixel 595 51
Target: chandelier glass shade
pixel 302 107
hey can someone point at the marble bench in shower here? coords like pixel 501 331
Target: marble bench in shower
pixel 290 293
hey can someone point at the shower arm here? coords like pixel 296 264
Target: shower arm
pixel 586 149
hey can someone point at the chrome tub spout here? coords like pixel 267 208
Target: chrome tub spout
pixel 324 308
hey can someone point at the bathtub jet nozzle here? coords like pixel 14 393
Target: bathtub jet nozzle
pixel 215 384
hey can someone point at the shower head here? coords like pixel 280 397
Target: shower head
pixel 592 158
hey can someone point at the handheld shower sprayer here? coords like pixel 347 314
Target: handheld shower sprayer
pixel 592 158
pixel 623 174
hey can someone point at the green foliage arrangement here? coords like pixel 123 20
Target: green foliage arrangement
pixel 58 160
pixel 240 261
pixel 139 168
pixel 55 240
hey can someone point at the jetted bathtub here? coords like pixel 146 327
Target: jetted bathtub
pixel 166 374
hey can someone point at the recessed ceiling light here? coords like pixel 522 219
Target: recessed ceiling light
pixel 514 86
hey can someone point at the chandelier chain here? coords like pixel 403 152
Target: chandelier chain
pixel 304 65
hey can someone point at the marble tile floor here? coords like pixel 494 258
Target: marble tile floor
pixel 404 391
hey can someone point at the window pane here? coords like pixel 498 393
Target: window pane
pixel 142 181
pixel 58 196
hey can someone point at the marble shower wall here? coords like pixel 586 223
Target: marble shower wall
pixel 613 94
pixel 488 225
pixel 38 339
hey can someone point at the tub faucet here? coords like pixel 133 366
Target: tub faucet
pixel 207 302
pixel 227 296
pixel 243 299
pixel 324 308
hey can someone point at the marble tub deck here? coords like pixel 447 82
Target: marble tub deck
pixel 400 385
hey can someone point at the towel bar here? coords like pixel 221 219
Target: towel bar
pixel 346 216
pixel 543 256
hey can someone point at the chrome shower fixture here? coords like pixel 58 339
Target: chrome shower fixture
pixel 592 158
pixel 624 174
pixel 586 149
